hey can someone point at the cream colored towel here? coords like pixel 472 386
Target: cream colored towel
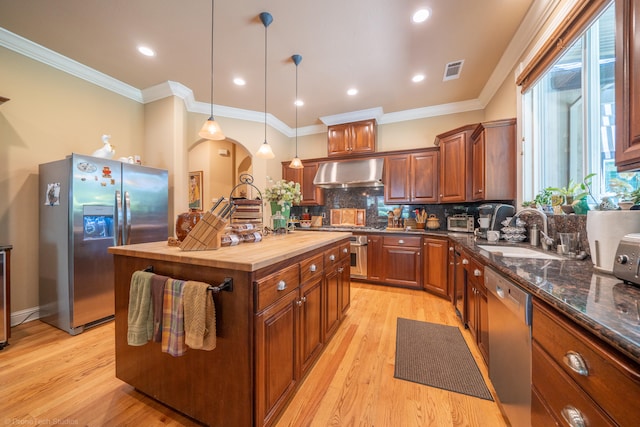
pixel 199 316
pixel 140 315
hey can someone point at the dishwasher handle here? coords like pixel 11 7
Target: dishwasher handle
pixel 508 293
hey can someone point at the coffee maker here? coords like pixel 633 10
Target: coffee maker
pixel 490 217
pixel 485 217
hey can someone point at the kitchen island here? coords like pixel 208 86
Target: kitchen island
pixel 289 294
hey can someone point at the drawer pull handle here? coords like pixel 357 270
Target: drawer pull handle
pixel 282 285
pixel 573 417
pixel 401 242
pixel 465 261
pixel 477 272
pixel 332 257
pixel 576 363
pixel 345 251
pixel 313 267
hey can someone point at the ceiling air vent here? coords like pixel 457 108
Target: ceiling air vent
pixel 452 70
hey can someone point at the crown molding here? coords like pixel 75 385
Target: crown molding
pixel 353 116
pixel 433 111
pixel 46 56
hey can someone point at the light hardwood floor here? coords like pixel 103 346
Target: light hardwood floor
pixel 49 377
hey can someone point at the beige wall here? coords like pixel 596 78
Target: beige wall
pixel 50 115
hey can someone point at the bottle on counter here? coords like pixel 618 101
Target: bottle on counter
pixel 534 235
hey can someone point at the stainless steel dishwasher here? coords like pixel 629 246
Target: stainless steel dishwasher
pixel 509 325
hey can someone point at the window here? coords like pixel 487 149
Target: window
pixel 568 116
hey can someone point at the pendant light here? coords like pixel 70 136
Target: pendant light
pixel 265 150
pixel 211 128
pixel 296 163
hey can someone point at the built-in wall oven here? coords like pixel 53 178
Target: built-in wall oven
pixel 359 257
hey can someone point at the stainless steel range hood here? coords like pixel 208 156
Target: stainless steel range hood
pixel 350 173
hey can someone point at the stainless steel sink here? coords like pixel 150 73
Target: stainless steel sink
pixel 518 252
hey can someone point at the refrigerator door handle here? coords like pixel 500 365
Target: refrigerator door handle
pixel 127 218
pixel 118 219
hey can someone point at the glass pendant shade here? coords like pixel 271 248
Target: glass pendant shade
pixel 296 163
pixel 265 151
pixel 211 130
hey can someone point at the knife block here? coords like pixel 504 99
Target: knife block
pixel 205 235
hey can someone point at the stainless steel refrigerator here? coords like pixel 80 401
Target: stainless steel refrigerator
pixel 86 205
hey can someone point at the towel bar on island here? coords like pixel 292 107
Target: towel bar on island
pixel 226 285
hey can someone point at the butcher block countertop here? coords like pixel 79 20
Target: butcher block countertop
pixel 244 257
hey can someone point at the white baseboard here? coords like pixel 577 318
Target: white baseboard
pixel 26 315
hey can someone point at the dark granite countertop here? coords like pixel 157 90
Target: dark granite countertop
pixel 601 303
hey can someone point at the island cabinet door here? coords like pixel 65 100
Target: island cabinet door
pixel 311 339
pixel 332 310
pixel 276 366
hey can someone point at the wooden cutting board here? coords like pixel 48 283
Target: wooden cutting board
pixel 348 217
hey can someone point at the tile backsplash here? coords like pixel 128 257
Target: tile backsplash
pixel 372 200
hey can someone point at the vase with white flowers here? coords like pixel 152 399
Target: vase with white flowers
pixel 282 195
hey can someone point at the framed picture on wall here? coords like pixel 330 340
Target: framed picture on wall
pixel 196 192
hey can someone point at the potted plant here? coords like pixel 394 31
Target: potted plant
pixel 575 194
pixel 282 195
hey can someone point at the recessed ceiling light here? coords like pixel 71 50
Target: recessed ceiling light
pixel 239 81
pixel 421 15
pixel 146 51
pixel 417 78
pixel 352 92
pixel 299 102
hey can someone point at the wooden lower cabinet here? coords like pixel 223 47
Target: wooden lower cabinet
pixel 292 331
pixel 402 259
pixel 476 307
pixel 375 266
pixel 276 365
pixel 435 265
pixel 576 376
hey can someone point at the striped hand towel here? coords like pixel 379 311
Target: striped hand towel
pixel 173 319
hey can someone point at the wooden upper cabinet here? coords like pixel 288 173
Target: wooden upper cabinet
pixel 627 84
pixel 424 177
pixel 352 138
pixel 455 162
pixel 396 179
pixel 493 154
pixel 411 177
pixel 311 195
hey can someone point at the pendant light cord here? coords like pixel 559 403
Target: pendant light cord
pixel 212 21
pixel 296 101
pixel 265 83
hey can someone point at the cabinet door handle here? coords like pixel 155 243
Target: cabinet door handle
pixel 303 299
pixel 451 249
pixel 299 303
pixel 312 267
pixel 282 285
pixel 340 270
pixel 573 416
pixel 576 363
pixel 345 250
pixel 332 257
pixel 465 261
pixel 477 272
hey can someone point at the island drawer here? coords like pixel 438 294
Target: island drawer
pixel 275 286
pixel 334 255
pixel 311 268
pixel 610 380
pixel 411 241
